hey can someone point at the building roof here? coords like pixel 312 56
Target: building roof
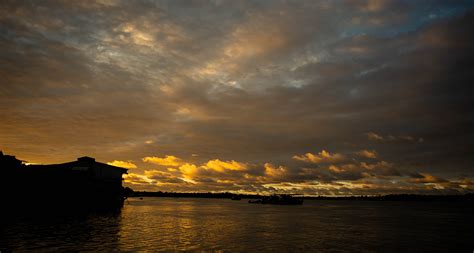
pixel 84 161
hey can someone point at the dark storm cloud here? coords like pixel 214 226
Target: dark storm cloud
pixel 257 82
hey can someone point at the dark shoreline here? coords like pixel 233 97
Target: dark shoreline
pixel 390 197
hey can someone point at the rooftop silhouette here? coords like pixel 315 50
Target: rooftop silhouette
pixel 83 183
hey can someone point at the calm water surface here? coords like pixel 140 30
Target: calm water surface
pixel 177 224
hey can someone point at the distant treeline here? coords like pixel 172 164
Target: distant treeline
pixel 224 195
pixel 400 197
pixel 227 195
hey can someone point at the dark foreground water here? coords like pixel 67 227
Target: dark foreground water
pixel 173 224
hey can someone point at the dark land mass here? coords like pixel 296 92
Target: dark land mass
pixel 227 195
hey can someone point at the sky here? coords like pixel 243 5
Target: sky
pixel 310 97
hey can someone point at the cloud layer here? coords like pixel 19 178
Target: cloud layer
pixel 316 96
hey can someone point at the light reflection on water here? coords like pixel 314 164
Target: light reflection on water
pixel 175 224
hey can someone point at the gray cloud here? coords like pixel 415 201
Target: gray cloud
pixel 254 81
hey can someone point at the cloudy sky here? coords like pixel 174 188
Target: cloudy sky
pixel 314 97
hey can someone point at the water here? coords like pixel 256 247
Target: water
pixel 175 224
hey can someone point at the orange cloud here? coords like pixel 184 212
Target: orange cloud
pixel 133 178
pixel 169 160
pixel 367 154
pixel 425 178
pixel 273 171
pixel 336 169
pixel 220 166
pixel 321 157
pixel 188 170
pixel 123 164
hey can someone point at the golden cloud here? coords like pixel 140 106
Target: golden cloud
pixel 336 169
pixel 321 157
pixel 273 171
pixel 123 164
pixel 133 178
pixel 188 170
pixel 425 178
pixel 221 166
pixel 367 153
pixel 169 160
pixel 378 165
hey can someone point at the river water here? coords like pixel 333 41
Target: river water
pixel 222 225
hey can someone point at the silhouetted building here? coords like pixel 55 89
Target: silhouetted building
pixel 9 161
pixel 81 183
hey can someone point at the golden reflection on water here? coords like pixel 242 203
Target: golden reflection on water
pixel 222 224
pixel 178 224
pixel 187 224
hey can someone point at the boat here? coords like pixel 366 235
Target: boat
pixel 278 199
